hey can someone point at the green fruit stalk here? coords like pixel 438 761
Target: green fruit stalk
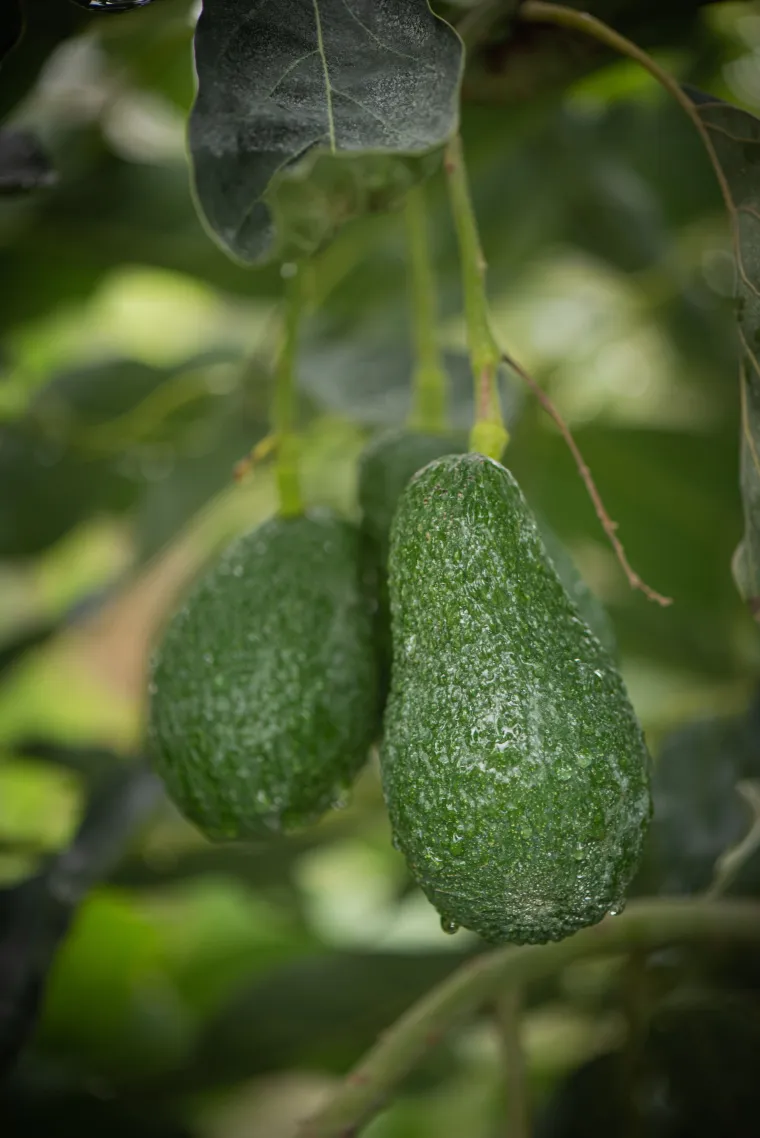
pixel 515 771
pixel 263 689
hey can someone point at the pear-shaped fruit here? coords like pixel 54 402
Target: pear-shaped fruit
pixel 264 689
pixel 514 768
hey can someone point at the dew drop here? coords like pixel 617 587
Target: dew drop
pixel 449 927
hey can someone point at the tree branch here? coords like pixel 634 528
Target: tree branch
pixel 645 925
pixel 609 527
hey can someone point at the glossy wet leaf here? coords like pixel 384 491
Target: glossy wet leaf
pixel 277 80
pixel 735 138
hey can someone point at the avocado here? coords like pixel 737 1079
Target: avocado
pixel 514 769
pixel 385 467
pixel 263 689
pixel 588 605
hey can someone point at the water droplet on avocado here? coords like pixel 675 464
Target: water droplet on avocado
pixel 449 927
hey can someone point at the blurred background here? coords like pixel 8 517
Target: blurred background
pixel 220 992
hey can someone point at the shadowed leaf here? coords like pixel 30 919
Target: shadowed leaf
pixel 371 78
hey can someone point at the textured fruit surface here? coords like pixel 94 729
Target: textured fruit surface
pixel 588 605
pixel 385 467
pixel 263 690
pixel 514 768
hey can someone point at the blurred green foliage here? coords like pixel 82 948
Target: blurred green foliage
pixel 217 992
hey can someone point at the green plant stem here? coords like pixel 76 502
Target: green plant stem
pixel 430 383
pixel 539 12
pixel 645 925
pixel 507 1014
pixel 283 405
pixel 489 435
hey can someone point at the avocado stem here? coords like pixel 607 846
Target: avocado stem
pixel 489 435
pixel 430 394
pixel 646 925
pixel 283 403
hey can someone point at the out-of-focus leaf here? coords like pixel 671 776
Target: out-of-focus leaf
pixel 735 138
pixel 695 1077
pixel 92 439
pixel 35 636
pixel 142 403
pixel 326 1009
pixel 35 915
pixel 370 380
pixel 54 490
pixel 24 165
pixel 698 811
pixel 276 81
pixel 111 1008
pixel 674 497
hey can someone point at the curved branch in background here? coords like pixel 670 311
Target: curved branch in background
pixel 646 925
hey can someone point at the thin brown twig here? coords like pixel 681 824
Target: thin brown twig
pixel 609 527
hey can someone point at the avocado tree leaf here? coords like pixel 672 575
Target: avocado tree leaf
pixel 735 138
pixel 703 811
pixel 280 79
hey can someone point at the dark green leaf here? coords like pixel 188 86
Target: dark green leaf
pixel 698 811
pixel 369 379
pixel 694 1077
pixel 54 490
pixel 735 138
pixel 326 1009
pixel 277 80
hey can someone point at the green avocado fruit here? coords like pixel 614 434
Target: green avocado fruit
pixel 385 468
pixel 514 769
pixel 263 690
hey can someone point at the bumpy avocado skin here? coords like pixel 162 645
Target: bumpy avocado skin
pixel 263 689
pixel 514 769
pixel 385 467
pixel 590 608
